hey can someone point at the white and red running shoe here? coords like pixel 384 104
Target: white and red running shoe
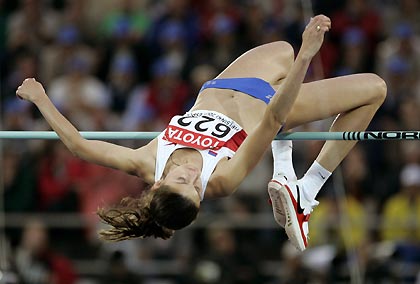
pixel 297 210
pixel 274 193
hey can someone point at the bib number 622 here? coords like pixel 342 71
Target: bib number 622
pixel 220 129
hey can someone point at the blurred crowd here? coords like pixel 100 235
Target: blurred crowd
pixel 131 65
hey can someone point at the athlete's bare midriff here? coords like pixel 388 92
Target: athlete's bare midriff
pixel 247 111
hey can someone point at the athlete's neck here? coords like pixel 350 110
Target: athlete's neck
pixel 181 157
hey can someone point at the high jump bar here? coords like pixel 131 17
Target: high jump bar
pixel 131 135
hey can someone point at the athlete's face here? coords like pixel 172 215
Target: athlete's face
pixel 185 180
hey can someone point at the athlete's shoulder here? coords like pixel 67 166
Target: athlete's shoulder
pixel 219 183
pixel 145 159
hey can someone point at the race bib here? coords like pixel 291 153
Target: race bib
pixel 201 130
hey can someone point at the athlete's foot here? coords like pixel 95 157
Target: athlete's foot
pixel 297 211
pixel 274 186
pixel 283 173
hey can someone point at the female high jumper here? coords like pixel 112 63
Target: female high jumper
pixel 208 151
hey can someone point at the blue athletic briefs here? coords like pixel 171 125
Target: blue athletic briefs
pixel 254 87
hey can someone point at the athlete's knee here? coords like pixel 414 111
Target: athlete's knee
pixel 281 58
pixel 378 88
pixel 281 49
pixel 285 47
pixel 287 50
pixel 279 45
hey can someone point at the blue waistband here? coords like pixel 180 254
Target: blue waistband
pixel 254 87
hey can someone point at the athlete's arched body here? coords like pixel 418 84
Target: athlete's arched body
pixel 225 114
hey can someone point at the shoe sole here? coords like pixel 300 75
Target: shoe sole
pixel 278 210
pixel 292 227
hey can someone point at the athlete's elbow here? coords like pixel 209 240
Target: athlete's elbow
pixel 76 152
pixel 78 147
pixel 273 118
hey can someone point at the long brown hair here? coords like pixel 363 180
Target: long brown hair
pixel 157 213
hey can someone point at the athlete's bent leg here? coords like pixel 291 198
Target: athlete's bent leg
pixel 355 99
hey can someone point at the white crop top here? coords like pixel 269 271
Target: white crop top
pixel 212 134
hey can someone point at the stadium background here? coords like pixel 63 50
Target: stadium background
pixel 130 65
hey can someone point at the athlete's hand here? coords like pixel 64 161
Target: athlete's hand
pixel 30 90
pixel 313 36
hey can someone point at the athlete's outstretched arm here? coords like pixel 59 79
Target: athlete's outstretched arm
pixel 312 38
pixel 255 145
pixel 98 152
